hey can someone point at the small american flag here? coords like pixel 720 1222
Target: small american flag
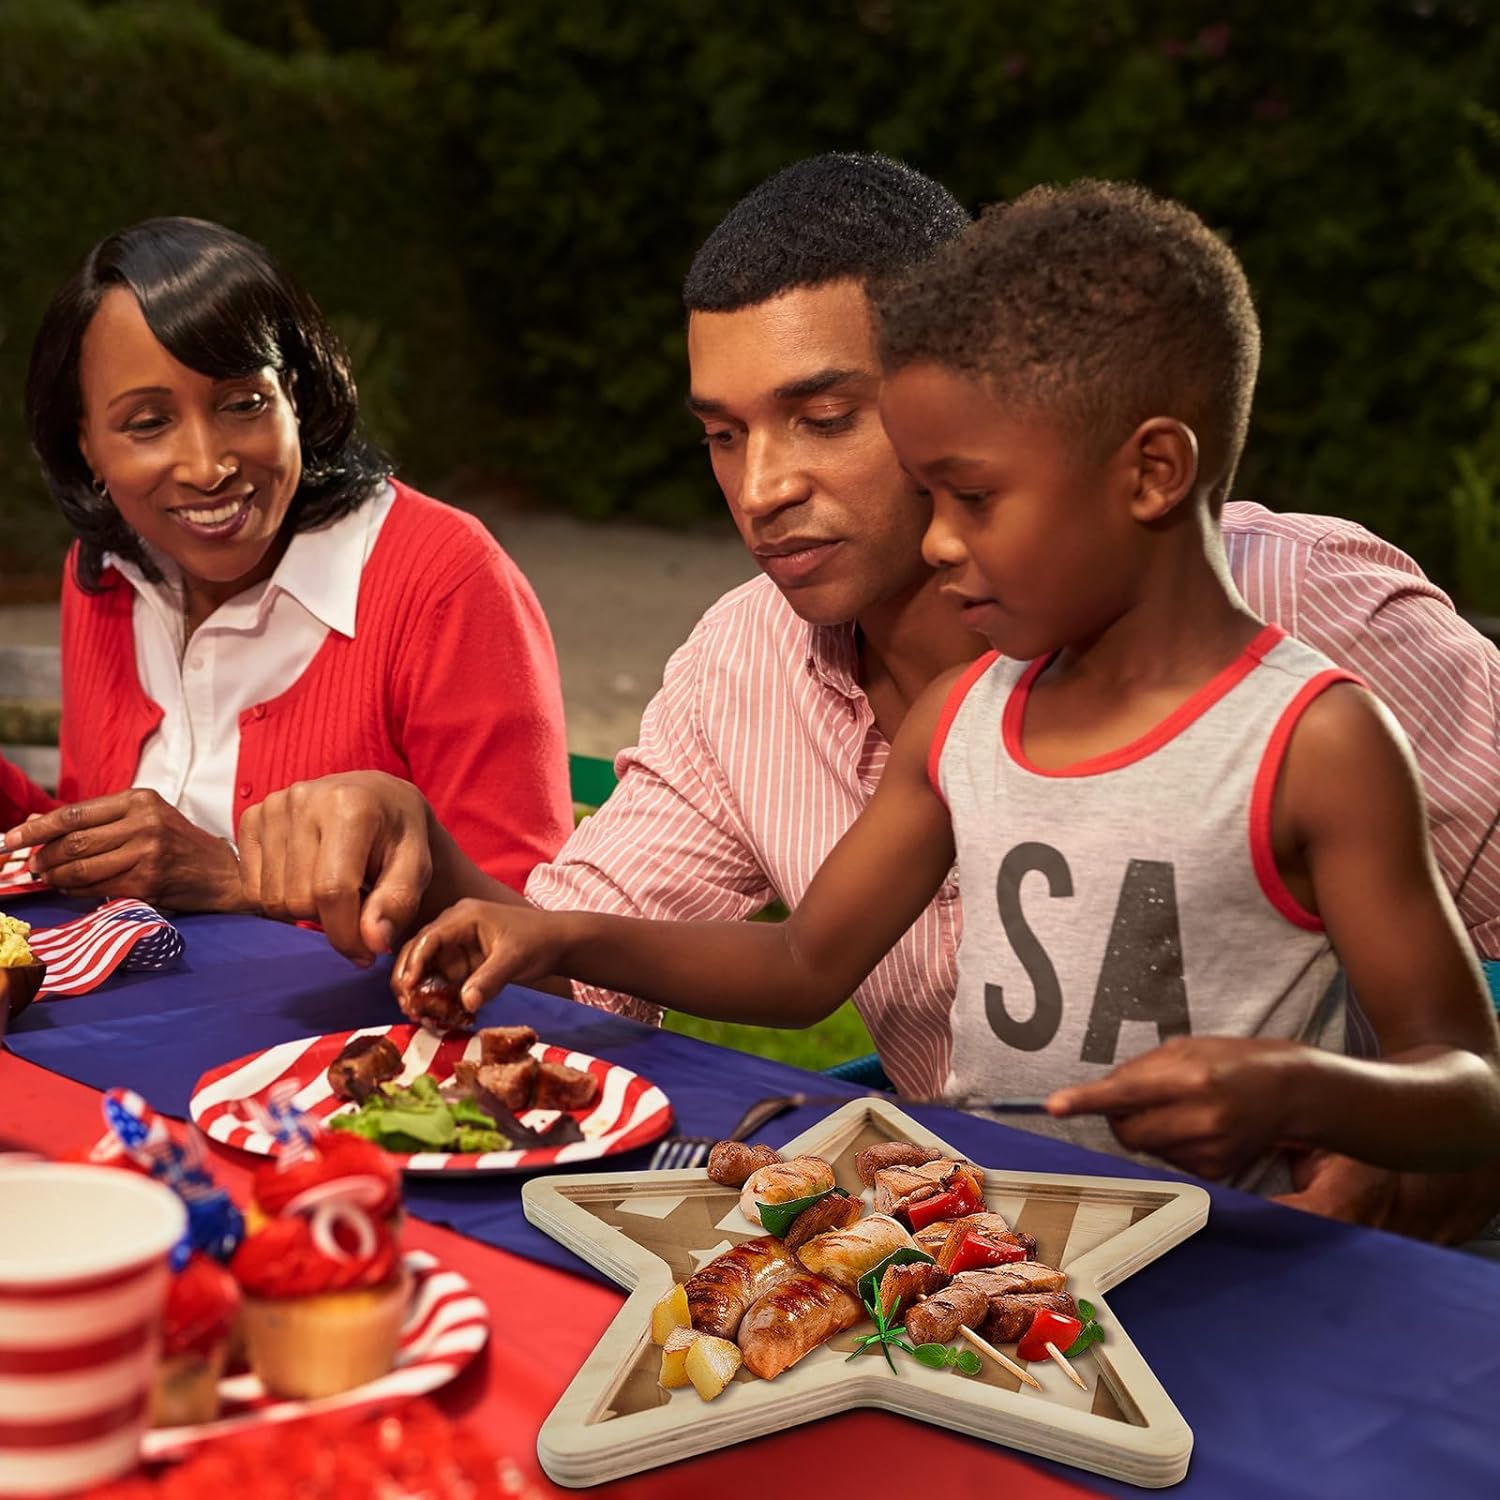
pixel 124 932
pixel 15 878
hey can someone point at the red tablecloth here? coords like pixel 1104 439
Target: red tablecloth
pixel 544 1322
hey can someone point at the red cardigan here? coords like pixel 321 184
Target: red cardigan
pixel 450 682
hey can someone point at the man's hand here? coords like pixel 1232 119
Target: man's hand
pixel 131 844
pixel 1446 1208
pixel 480 946
pixel 350 852
pixel 1210 1105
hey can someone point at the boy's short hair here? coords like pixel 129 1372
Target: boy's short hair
pixel 1096 305
pixel 828 218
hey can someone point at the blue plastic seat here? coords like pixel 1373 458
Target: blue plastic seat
pixel 1491 968
pixel 865 1071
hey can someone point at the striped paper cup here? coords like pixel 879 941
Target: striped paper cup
pixel 83 1278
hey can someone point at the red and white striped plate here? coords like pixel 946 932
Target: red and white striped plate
pixel 628 1111
pixel 446 1326
pixel 15 878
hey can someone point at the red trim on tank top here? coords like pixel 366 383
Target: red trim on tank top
pixel 951 705
pixel 1170 727
pixel 1263 796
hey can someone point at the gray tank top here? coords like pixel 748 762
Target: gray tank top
pixel 1130 898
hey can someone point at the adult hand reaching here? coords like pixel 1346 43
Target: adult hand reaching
pixel 132 843
pixel 351 852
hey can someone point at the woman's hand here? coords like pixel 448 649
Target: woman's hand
pixel 1210 1105
pixel 480 946
pixel 131 844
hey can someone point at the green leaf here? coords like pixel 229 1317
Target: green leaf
pixel 869 1283
pixel 778 1217
pixel 967 1361
pixel 934 1356
pixel 1085 1310
pixel 1091 1333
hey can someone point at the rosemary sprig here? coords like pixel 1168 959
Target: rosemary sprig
pixel 888 1335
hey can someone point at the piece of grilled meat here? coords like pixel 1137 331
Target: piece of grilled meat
pixel 892 1154
pixel 731 1163
pixel 791 1320
pixel 503 1044
pixel 365 1063
pixel 560 1087
pixel 720 1293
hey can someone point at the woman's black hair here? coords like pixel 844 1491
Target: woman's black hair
pixel 219 304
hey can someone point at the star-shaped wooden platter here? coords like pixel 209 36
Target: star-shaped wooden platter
pixel 649 1229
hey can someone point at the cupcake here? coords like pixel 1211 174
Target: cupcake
pixel 298 1180
pixel 202 1305
pixel 21 974
pixel 324 1297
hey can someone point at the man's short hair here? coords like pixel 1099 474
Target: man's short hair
pixel 829 218
pixel 1094 306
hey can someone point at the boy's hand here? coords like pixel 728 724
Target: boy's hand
pixel 480 946
pixel 1210 1105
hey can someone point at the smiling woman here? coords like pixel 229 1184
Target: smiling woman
pixel 253 600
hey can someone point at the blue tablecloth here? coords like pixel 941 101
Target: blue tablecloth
pixel 1309 1358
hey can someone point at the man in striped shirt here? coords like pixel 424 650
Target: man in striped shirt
pixel 775 717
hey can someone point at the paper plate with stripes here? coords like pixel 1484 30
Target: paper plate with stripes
pixel 446 1326
pixel 628 1112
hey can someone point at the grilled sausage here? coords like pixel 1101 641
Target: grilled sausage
pixel 730 1163
pixel 783 1181
pixel 791 1320
pixel 364 1064
pixel 511 1083
pixel 503 1044
pixel 891 1154
pixel 832 1212
pixel 719 1294
pixel 844 1255
pixel 1010 1317
pixel 937 1318
pixel 560 1087
pixel 435 1004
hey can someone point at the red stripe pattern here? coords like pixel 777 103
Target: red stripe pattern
pixel 628 1112
pixel 447 1324
pixel 15 878
pixel 81 955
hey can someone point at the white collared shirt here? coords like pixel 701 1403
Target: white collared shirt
pixel 250 650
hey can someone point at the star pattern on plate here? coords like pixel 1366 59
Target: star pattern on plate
pixel 649 1229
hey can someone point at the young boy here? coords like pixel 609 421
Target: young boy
pixel 1209 811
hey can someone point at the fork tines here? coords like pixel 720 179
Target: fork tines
pixel 681 1151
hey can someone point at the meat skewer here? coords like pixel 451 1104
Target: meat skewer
pixel 1003 1360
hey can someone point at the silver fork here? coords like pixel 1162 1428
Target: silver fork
pixel 679 1151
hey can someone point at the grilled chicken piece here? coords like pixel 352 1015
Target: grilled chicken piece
pixel 365 1063
pixel 892 1154
pixel 719 1294
pixel 783 1181
pixel 898 1187
pixel 844 1255
pixel 561 1087
pixel 1010 1317
pixel 503 1044
pixel 932 1237
pixel 936 1319
pixel 730 1163
pixel 791 1320
pixel 511 1083
pixel 434 1004
pixel 1019 1276
pixel 903 1286
pixel 832 1212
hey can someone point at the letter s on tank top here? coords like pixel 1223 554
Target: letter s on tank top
pixel 1131 898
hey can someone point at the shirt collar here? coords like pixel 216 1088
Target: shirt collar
pixel 833 658
pixel 320 569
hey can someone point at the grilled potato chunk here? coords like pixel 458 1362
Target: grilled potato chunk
pixel 669 1314
pixel 711 1364
pixel 674 1355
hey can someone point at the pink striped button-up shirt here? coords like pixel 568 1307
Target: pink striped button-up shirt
pixel 761 749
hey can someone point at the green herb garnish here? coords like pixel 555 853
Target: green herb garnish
pixel 1090 1333
pixel 888 1335
pixel 778 1217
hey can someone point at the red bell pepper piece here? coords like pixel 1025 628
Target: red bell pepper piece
pixel 962 1198
pixel 1048 1327
pixel 976 1251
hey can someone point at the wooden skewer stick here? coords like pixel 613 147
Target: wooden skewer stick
pixel 1061 1361
pixel 984 1347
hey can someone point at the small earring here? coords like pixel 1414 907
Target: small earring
pixel 99 488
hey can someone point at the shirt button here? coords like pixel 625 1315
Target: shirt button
pixel 196 664
pixel 259 711
pixel 244 788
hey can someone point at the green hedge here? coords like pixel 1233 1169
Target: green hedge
pixel 503 199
